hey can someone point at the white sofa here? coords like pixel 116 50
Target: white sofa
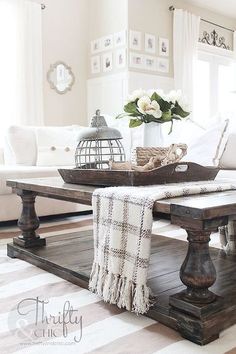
pixel 21 157
pixel 31 152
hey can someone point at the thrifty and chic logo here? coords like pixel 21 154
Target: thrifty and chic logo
pixel 36 320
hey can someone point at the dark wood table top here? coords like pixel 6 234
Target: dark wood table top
pixel 204 206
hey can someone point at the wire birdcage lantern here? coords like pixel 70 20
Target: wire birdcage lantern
pixel 99 145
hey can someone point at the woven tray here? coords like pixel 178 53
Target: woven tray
pixel 173 173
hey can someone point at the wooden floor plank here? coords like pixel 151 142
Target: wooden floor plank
pixel 71 256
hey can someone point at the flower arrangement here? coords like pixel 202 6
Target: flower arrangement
pixel 154 106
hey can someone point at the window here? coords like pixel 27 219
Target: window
pixel 215 81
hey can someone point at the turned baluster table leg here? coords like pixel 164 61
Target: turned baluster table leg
pixel 191 306
pixel 28 222
pixel 198 272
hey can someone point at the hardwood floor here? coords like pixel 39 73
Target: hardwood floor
pixel 70 256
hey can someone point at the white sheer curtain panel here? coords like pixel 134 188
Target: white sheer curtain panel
pixel 21 88
pixel 185 37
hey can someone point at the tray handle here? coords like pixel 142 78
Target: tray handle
pixel 182 167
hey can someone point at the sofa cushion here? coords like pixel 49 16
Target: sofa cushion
pixel 228 158
pixel 21 172
pixel 56 147
pixel 20 146
pixel 205 150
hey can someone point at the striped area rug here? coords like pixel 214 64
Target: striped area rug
pixel 105 329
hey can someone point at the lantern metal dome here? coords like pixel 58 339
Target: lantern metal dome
pixel 98 145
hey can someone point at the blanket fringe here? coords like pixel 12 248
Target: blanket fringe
pixel 119 290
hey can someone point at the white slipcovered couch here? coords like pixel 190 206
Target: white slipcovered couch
pixel 31 152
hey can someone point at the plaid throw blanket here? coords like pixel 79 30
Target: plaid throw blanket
pixel 122 238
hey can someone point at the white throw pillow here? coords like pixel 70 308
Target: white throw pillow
pixel 20 146
pixel 228 158
pixel 56 146
pixel 56 156
pixel 206 149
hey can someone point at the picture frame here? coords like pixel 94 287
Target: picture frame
pixel 95 64
pixel 107 62
pixel 164 47
pixel 150 63
pixel 136 60
pixel 135 40
pixel 162 65
pixel 120 39
pixel 150 43
pixel 107 42
pixel 120 58
pixel 95 46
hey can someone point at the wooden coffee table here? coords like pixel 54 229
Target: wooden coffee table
pixel 180 282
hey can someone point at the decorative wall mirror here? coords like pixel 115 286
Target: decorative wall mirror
pixel 60 77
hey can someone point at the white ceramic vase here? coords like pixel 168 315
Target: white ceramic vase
pixel 152 135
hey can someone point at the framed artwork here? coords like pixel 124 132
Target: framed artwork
pixel 120 39
pixel 150 63
pixel 120 58
pixel 164 47
pixel 135 40
pixel 107 62
pixel 136 61
pixel 150 43
pixel 95 64
pixel 107 42
pixel 162 65
pixel 96 46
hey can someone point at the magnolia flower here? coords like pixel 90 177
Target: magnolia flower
pixel 184 104
pixel 173 96
pixel 146 106
pixel 136 95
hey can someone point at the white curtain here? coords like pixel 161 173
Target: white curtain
pixel 185 37
pixel 21 88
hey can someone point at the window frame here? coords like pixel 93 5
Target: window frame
pixel 215 57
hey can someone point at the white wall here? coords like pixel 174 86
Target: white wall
pixel 107 94
pixel 65 37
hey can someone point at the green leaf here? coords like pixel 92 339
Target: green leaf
pixel 122 115
pixel 178 110
pixel 155 97
pixel 131 108
pixel 133 123
pixel 164 105
pixel 149 118
pixel 171 127
pixel 166 116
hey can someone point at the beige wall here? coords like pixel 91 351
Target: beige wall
pixel 70 25
pixel 106 17
pixel 65 33
pixel 153 16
